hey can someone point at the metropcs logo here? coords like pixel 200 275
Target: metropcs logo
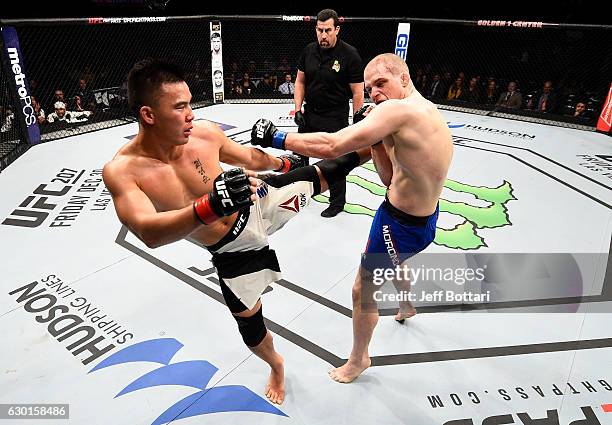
pixel 192 373
pixel 22 91
pixel 492 130
pixel 14 59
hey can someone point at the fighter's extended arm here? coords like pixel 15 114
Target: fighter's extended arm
pixel 382 121
pixel 254 159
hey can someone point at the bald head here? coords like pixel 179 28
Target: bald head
pixel 391 63
pixel 386 77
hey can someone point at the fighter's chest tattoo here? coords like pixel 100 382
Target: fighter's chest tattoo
pixel 200 170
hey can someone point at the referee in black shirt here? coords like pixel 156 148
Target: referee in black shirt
pixel 330 73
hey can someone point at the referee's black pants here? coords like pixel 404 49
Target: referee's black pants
pixel 329 121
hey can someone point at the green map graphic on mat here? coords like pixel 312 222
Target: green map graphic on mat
pixel 466 234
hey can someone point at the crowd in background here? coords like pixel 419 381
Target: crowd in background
pixel 491 92
pixel 267 79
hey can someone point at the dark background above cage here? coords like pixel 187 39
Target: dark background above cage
pixel 571 11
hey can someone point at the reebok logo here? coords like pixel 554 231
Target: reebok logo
pixel 292 204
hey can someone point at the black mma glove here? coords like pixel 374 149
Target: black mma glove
pixel 266 135
pixel 299 119
pixel 290 162
pixel 231 192
pixel 360 114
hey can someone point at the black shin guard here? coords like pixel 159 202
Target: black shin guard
pixel 308 173
pixel 252 329
pixel 334 169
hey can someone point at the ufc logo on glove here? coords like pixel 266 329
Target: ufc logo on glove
pixel 222 190
pixel 260 129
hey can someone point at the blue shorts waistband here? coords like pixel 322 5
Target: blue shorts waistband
pixel 404 217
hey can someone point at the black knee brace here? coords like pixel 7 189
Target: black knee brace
pixel 252 329
pixel 334 169
pixel 308 173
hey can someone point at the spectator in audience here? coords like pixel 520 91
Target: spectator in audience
pixel 491 94
pixel 58 96
pixel 581 114
pixel 283 67
pixel 437 89
pixel 123 92
pixel 454 92
pixel 274 81
pixel 9 118
pixel 235 68
pixel 61 115
pixel 422 85
pixel 418 77
pixel 88 75
pixel 265 87
pixel 39 112
pixel 267 66
pixel 252 69
pixel 580 110
pixel 83 97
pixel 472 93
pixel 287 87
pixel 247 86
pixel 447 81
pixel 546 100
pixel 231 78
pixel 34 87
pixel 510 99
pixel 236 90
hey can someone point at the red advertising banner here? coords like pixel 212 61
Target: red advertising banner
pixel 604 124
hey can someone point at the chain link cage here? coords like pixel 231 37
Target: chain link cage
pixel 463 65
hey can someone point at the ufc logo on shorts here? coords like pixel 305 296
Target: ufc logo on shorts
pixel 239 224
pixel 261 128
pixel 222 191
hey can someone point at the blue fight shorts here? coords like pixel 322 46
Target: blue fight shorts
pixel 396 236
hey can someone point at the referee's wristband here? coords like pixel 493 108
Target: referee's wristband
pixel 278 140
